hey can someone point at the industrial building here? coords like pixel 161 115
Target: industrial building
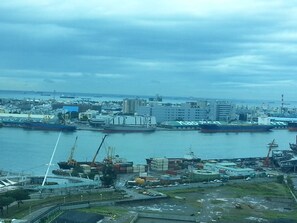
pixel 222 111
pixel 228 169
pixel 190 111
pixel 130 105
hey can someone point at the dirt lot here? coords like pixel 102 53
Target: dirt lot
pixel 249 202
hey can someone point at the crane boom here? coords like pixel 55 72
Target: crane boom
pixel 271 145
pixel 70 159
pixel 93 161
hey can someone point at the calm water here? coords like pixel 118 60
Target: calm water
pixel 30 151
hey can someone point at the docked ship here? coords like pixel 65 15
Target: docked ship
pixel 47 126
pixel 72 163
pixel 128 128
pixel 286 159
pixel 237 127
pixel 37 125
pixel 293 146
pixel 120 165
pixel 67 96
pixel 35 122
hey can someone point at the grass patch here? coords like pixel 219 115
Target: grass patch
pixel 113 212
pixel 32 205
pixel 272 215
pixel 269 189
pixel 274 195
pixel 260 190
pixel 241 215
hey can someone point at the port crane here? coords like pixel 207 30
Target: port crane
pixel 71 161
pixel 270 147
pixel 94 158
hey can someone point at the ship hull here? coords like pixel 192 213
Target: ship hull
pixel 69 166
pixel 212 128
pixel 39 126
pixel 49 127
pixel 127 129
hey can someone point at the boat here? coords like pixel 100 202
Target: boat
pixel 293 146
pixel 71 166
pixel 38 125
pixel 47 126
pixel 289 165
pixel 71 163
pixel 246 127
pixel 128 128
pixel 272 145
pixel 67 96
pixel 292 126
pixel 286 160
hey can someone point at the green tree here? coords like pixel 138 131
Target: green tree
pixel 19 195
pixel 280 179
pixel 5 202
pixel 290 182
pixel 108 174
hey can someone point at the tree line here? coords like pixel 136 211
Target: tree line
pixel 9 197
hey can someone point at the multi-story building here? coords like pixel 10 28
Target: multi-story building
pixel 222 111
pixel 190 111
pixel 130 105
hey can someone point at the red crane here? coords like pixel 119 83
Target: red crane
pixel 270 147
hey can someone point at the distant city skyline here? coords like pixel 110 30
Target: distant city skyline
pixel 204 49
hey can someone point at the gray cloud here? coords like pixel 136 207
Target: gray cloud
pixel 203 49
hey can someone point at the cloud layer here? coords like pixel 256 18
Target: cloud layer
pixel 216 48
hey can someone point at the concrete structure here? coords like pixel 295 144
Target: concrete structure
pixel 190 111
pixel 88 115
pixel 159 164
pixel 204 175
pixel 229 169
pixel 222 111
pixel 23 117
pixel 131 120
pixel 130 105
pixel 101 120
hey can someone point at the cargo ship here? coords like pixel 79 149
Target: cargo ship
pixel 293 146
pixel 128 128
pixel 35 125
pixel 67 96
pixel 286 159
pixel 120 165
pixel 212 128
pixel 49 126
pixel 72 163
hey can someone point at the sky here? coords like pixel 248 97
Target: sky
pixel 244 49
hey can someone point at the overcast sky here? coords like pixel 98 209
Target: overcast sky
pixel 243 49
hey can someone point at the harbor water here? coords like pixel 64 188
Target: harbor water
pixel 29 151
